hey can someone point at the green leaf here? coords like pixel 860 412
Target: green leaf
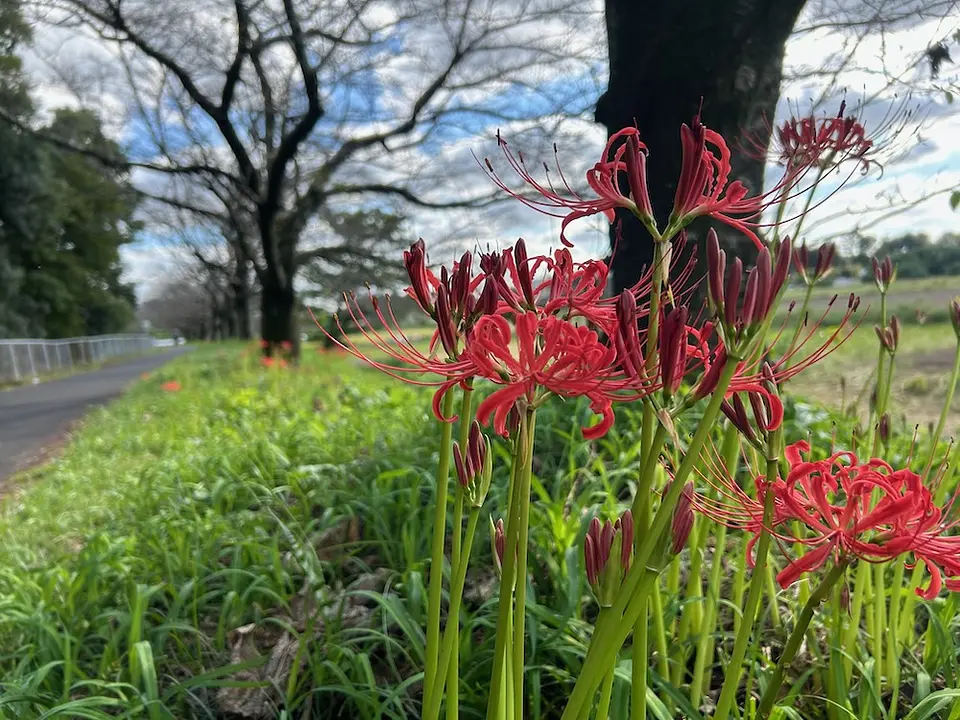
pixel 954 199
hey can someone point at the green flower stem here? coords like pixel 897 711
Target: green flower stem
pixel 508 677
pixel 630 601
pixel 659 631
pixel 606 691
pixel 691 595
pixel 893 649
pixel 527 426
pixel 453 670
pixel 734 670
pixel 729 451
pixel 436 555
pixel 451 634
pixel 650 452
pixel 736 593
pixel 769 696
pixel 879 624
pixel 905 632
pixel 944 411
pixel 504 637
pixel 860 581
pixel 771 586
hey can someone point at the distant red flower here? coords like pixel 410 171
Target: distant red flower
pixel 849 510
pixel 264 344
pixel 171 386
pixel 269 362
pixel 145 376
pixel 286 346
pixel 624 153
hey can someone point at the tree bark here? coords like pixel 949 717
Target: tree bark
pixel 240 287
pixel 667 57
pixel 278 318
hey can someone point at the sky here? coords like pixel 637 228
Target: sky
pixel 878 66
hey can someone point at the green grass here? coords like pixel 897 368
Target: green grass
pixel 258 542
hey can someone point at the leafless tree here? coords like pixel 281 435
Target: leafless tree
pixel 268 112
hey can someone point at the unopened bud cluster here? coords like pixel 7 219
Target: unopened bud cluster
pixel 474 466
pixel 889 336
pixel 801 263
pixel 884 273
pixel 607 550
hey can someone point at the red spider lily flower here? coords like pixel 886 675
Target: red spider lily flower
pixel 286 346
pixel 624 153
pixel 269 362
pixel 264 344
pixel 704 188
pixel 542 353
pixel 849 510
pixel 171 386
pixel 815 140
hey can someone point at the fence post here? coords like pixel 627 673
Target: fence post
pixel 46 357
pixel 13 356
pixel 33 367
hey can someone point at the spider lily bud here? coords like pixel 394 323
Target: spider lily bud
pixel 415 263
pixel 955 315
pixel 636 161
pixel 498 544
pixel 523 272
pixel 716 270
pixel 607 552
pixel 889 336
pixel 884 273
pixel 801 261
pixel 883 429
pixel 627 338
pixel 474 466
pixel 825 257
pixel 737 415
pixel 673 349
pixel 445 326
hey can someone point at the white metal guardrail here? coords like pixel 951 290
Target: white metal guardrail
pixel 27 359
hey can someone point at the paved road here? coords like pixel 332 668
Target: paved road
pixel 33 416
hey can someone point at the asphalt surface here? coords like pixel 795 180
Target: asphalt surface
pixel 34 416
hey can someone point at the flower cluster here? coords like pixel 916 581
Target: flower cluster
pixel 849 510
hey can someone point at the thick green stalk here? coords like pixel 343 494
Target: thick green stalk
pixel 729 451
pixel 504 637
pixel 606 691
pixel 893 649
pixel 527 426
pixel 436 554
pixel 659 631
pixel 734 670
pixel 651 444
pixel 451 634
pixel 630 602
pixel 698 686
pixel 794 641
pixel 692 597
pixel 879 626
pixel 453 671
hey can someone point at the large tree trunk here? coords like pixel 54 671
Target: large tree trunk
pixel 668 56
pixel 278 317
pixel 240 287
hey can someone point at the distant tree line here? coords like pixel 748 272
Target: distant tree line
pixel 916 254
pixel 63 216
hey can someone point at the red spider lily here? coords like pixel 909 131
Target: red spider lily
pixel 624 153
pixel 815 140
pixel 171 386
pixel 286 346
pixel 269 362
pixel 704 188
pixel 542 353
pixel 849 510
pixel 884 273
